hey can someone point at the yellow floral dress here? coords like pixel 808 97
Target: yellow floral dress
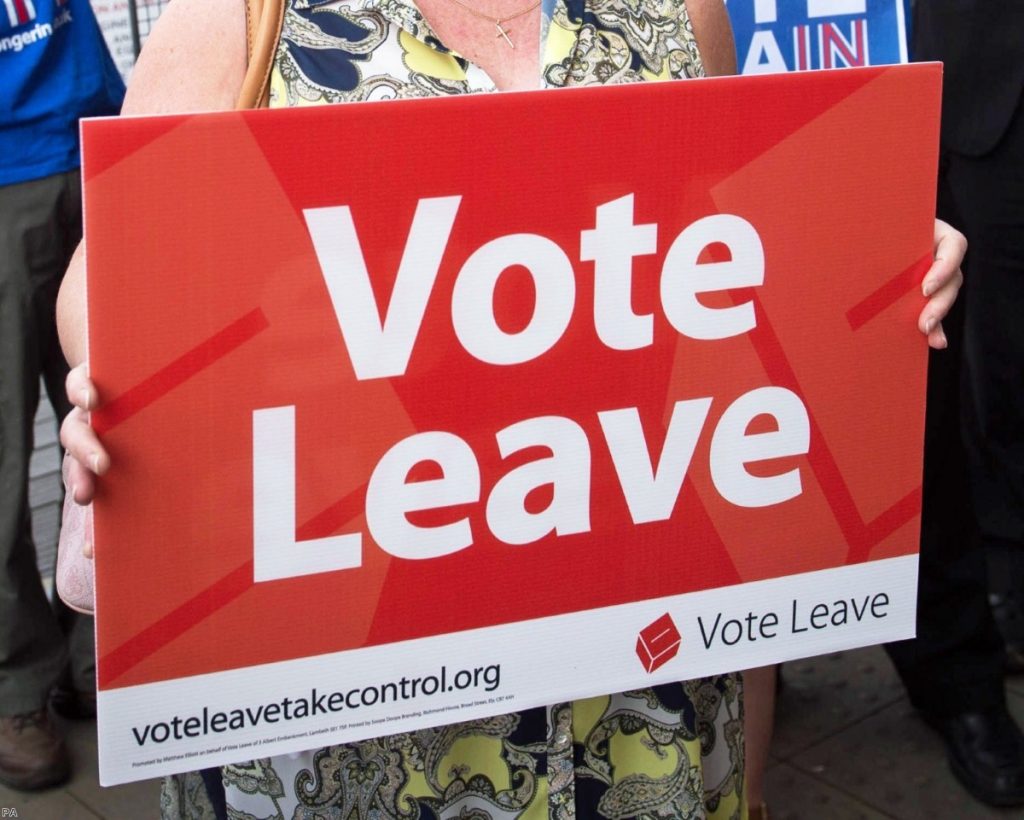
pixel 667 752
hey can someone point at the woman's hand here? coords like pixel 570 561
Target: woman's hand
pixel 942 282
pixel 87 458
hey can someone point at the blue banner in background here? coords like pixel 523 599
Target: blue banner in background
pixel 798 35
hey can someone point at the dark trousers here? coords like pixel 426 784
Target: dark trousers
pixel 40 225
pixel 989 195
pixel 974 438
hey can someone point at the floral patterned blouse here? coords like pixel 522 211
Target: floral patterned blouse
pixel 667 752
pixel 333 51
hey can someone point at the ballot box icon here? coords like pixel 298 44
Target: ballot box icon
pixel 658 643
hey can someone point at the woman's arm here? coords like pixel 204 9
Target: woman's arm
pixel 194 60
pixel 713 31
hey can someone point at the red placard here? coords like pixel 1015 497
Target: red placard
pixel 485 334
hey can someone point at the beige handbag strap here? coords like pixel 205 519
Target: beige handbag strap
pixel 263 22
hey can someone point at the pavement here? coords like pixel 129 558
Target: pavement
pixel 847 746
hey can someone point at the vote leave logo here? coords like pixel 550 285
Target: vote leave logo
pixel 658 643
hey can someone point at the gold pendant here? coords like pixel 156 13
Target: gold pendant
pixel 503 33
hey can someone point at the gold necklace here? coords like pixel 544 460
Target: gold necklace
pixel 498 21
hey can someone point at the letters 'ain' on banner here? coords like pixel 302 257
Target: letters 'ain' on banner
pixel 798 35
pixel 431 410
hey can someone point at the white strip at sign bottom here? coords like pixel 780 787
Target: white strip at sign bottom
pixel 163 728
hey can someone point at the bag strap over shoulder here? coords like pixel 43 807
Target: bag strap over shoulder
pixel 263 22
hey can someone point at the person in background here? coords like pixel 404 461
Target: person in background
pixel 974 438
pixel 54 69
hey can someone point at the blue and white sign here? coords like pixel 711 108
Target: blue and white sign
pixel 798 35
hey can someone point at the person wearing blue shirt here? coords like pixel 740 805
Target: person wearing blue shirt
pixel 54 70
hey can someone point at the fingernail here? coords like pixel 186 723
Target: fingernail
pixel 943 340
pixel 94 461
pixel 929 324
pixel 87 549
pixel 928 288
pixel 74 491
pixel 86 397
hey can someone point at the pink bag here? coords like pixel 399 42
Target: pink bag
pixel 76 574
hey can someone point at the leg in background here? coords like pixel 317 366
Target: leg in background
pixel 758 724
pixel 32 647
